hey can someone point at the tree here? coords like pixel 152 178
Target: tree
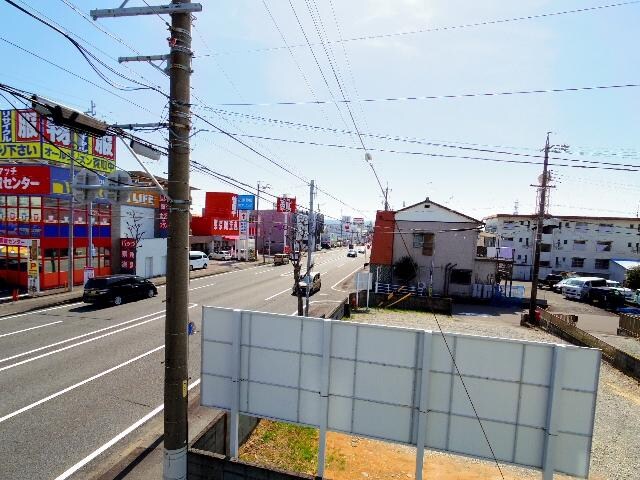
pixel 134 227
pixel 296 234
pixel 405 269
pixel 633 278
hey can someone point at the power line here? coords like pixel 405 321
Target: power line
pixel 437 97
pixel 428 154
pixel 446 28
pixel 414 140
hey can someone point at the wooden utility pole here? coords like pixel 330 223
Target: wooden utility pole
pixel 538 238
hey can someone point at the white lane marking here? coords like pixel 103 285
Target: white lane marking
pixel 73 345
pixel 27 329
pixel 35 312
pixel 279 293
pixel 116 439
pixel 76 337
pixel 341 265
pixel 29 360
pixel 201 286
pixel 76 385
pixel 342 280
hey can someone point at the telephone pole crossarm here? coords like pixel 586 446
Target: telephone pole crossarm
pixel 154 10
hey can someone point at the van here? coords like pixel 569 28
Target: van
pixel 198 260
pixel 313 279
pixel 280 259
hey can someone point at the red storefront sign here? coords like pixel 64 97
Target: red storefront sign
pixel 127 255
pixel 221 226
pixel 25 179
pixel 285 204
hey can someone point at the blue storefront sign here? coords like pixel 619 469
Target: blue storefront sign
pixel 246 202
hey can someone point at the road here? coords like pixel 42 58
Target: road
pixel 73 377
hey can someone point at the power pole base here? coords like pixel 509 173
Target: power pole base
pixel 175 464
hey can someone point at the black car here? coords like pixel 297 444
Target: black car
pixel 117 289
pixel 550 280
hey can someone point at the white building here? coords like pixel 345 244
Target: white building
pixel 585 245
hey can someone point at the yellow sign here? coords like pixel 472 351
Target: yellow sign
pixel 33 269
pixel 24 134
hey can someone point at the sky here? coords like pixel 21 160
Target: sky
pixel 370 50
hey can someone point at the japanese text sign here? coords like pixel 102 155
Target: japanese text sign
pixel 25 179
pixel 246 202
pixel 127 255
pixel 163 216
pixel 24 134
pixel 285 204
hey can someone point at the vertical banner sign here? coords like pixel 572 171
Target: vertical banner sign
pixel 285 204
pixel 127 255
pixel 33 272
pixel 163 217
pixel 244 233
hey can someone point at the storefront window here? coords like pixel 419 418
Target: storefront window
pixel 79 263
pixel 12 201
pixel 3 200
pixel 36 202
pixel 51 210
pixel 51 260
pixel 23 201
pixel 23 214
pixel 80 252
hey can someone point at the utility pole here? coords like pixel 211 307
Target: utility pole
pixel 311 237
pixel 176 374
pixel 72 174
pixel 538 239
pixel 386 198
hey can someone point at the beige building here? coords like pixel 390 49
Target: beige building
pixel 441 241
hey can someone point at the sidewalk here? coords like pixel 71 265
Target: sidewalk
pixel 55 297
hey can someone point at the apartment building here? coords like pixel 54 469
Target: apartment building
pixel 585 245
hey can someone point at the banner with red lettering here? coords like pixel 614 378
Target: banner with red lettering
pixel 128 255
pixel 285 204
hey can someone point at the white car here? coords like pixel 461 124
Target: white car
pixel 221 255
pixel 558 286
pixel 578 287
pixel 198 260
pixel 627 293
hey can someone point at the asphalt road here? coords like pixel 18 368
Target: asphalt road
pixel 74 377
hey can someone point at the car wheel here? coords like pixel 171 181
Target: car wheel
pixel 205 265
pixel 191 268
pixel 117 300
pixel 151 293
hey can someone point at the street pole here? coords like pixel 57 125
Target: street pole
pixel 72 165
pixel 386 198
pixel 536 255
pixel 176 340
pixel 90 236
pixel 310 246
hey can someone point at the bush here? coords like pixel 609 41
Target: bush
pixel 633 278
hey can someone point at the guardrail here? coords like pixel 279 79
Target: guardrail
pixel 629 325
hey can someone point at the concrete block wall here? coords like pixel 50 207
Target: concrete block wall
pixel 203 465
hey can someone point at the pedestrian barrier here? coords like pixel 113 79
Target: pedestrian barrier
pixel 629 325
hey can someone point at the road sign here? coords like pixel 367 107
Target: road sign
pixel 246 202
pixel 286 204
pixel 358 220
pixel 244 228
pixel 244 216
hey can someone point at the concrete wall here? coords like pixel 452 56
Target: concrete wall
pixel 151 258
pixel 144 216
pixel 203 465
pixel 457 247
pixel 484 270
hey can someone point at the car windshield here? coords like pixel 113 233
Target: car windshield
pixel 598 283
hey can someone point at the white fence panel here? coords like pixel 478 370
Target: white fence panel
pixel 535 401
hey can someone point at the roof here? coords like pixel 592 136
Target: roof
pixel 441 206
pixel 562 217
pixel 627 264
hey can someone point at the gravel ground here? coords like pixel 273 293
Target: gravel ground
pixel 616 444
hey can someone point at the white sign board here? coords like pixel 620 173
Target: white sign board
pixel 535 401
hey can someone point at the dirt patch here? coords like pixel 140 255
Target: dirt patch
pixel 294 448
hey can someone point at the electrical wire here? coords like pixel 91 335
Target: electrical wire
pixel 446 28
pixel 440 155
pixel 437 97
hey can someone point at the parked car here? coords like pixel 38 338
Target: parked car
pixel 627 293
pixel 352 253
pixel 117 289
pixel 578 288
pixel 606 297
pixel 198 260
pixel 315 284
pixel 221 255
pixel 558 286
pixel 280 259
pixel 549 281
pixel 636 297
